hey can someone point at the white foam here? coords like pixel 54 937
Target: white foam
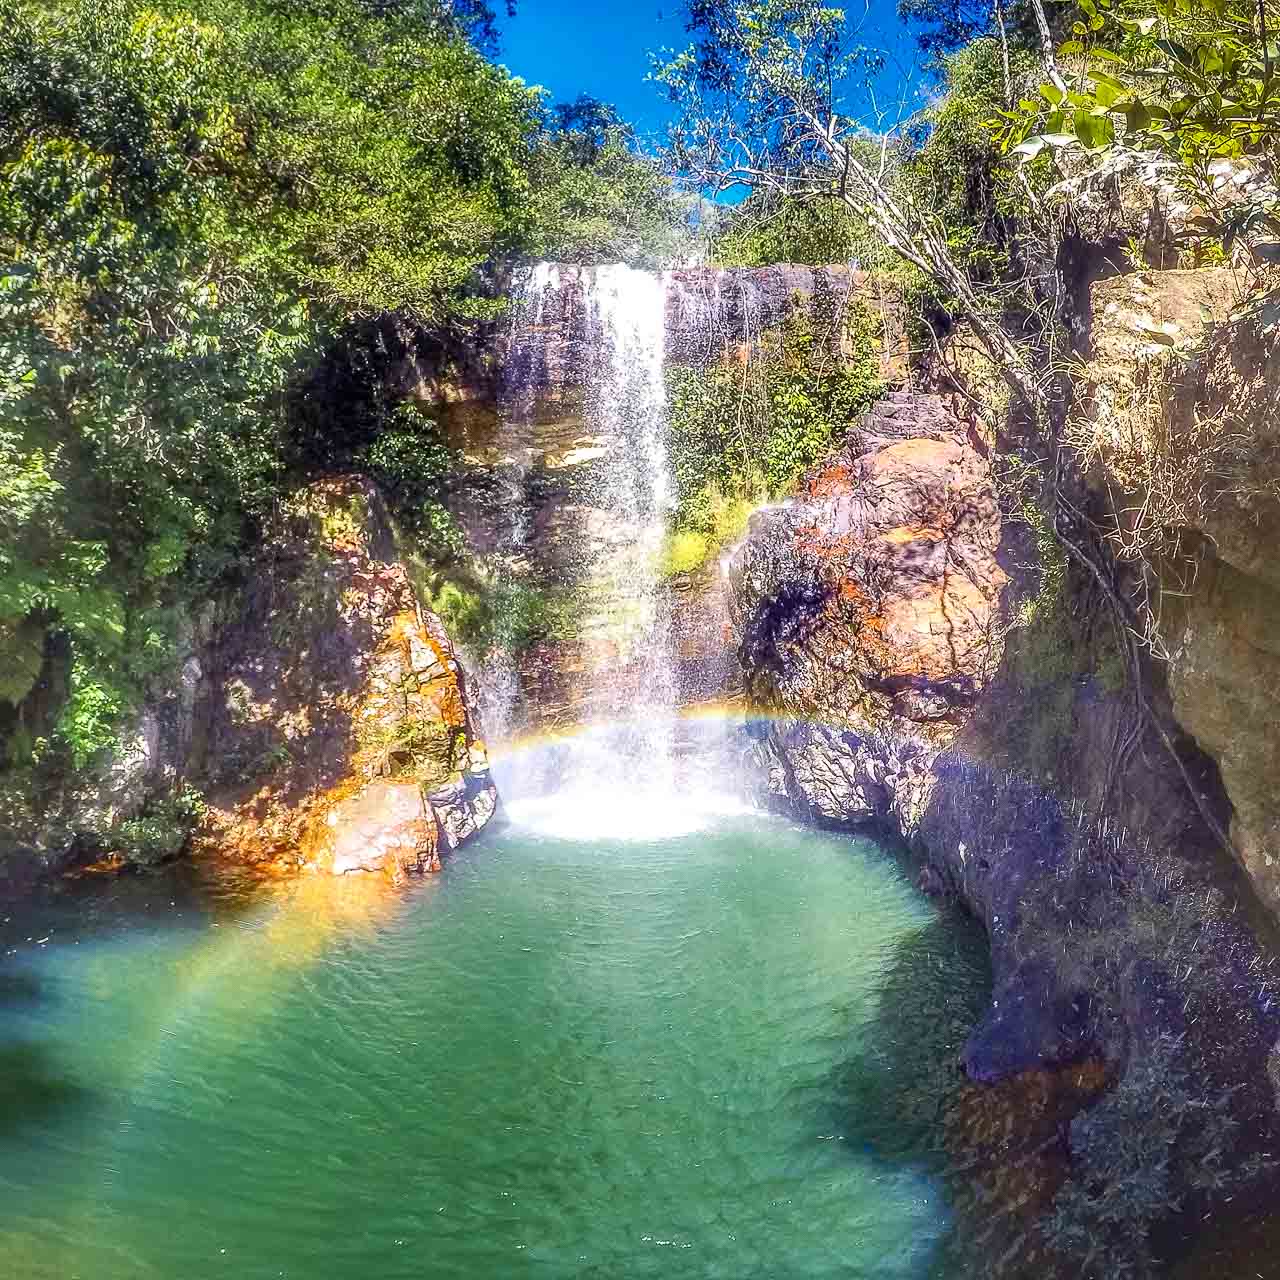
pixel 585 813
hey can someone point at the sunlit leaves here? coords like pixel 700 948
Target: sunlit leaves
pixel 1191 81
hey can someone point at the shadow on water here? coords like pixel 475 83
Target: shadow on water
pixel 37 1087
pixel 904 1071
pixel 33 1088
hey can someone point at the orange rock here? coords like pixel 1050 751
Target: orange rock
pixel 339 706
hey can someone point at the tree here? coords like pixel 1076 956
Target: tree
pixel 943 26
pixel 1191 85
pixel 597 196
pixel 189 208
pixel 761 94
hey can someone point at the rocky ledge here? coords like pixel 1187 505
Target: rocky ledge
pixel 319 719
pixel 335 725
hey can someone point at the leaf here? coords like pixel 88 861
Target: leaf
pixel 1093 131
pixel 1104 78
pixel 1051 93
pixel 1030 149
pixel 1136 116
pixel 1178 52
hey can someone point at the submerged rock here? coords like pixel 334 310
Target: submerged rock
pixel 335 724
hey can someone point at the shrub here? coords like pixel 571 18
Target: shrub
pixel 162 830
pixel 743 434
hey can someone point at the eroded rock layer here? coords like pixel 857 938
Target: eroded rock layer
pixel 335 723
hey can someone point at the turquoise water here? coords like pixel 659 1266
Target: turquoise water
pixel 715 1055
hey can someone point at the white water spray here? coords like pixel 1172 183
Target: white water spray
pixel 621 773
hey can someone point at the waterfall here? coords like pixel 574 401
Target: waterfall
pixel 499 687
pixel 601 332
pixel 634 670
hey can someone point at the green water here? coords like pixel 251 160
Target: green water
pixel 719 1055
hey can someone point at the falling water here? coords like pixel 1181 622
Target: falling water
pixel 621 771
pixel 627 404
pixel 499 686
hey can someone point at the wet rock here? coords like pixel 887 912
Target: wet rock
pixel 336 726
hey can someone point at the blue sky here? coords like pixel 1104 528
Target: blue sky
pixel 601 48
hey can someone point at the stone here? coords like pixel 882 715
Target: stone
pixel 1198 439
pixel 385 826
pixel 869 607
pixel 335 705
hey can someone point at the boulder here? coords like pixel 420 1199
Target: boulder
pixel 335 729
pixel 868 608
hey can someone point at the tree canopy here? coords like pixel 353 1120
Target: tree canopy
pixel 194 204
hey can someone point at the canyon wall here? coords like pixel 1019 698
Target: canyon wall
pixel 920 656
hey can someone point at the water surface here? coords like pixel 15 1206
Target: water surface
pixel 717 1055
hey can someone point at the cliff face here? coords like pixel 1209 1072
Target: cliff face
pixel 1182 425
pixel 535 459
pixel 915 662
pixel 334 728
pixel 320 719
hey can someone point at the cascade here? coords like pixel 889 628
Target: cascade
pixel 621 770
pixel 500 688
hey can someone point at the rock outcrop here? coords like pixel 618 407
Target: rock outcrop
pixel 1183 431
pixel 334 726
pixel 909 664
pixel 869 608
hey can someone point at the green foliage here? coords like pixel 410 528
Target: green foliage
pixel 597 197
pixel 951 166
pixel 411 464
pixel 943 26
pixel 161 832
pixel 743 433
pixel 720 520
pixel 765 229
pixel 1187 82
pixel 506 615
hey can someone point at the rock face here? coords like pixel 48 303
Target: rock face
pixel 52 817
pixel 891 687
pixel 334 725
pixel 1186 427
pixel 868 607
